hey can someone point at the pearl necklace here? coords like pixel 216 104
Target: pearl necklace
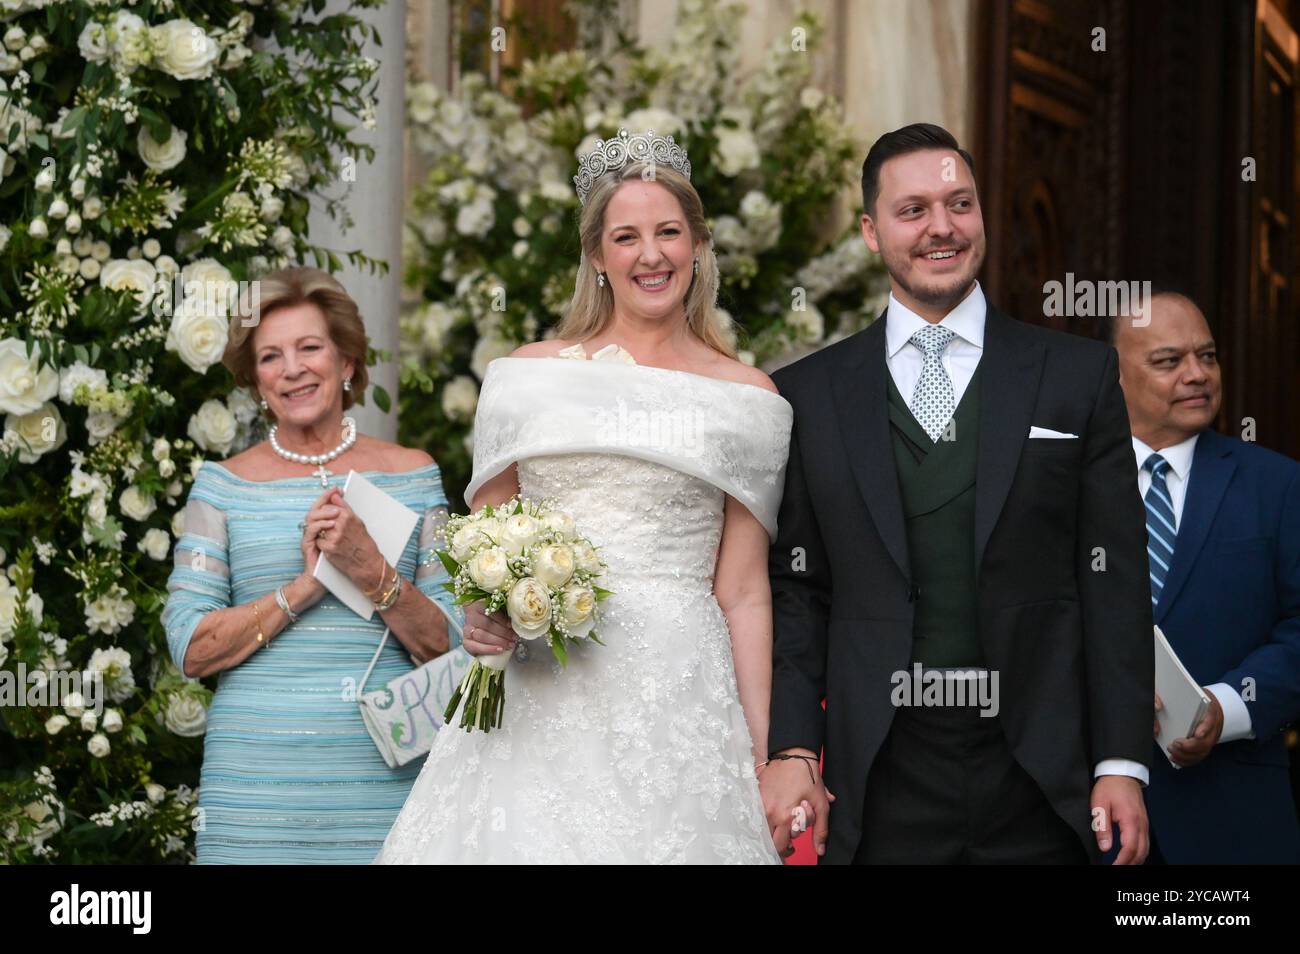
pixel 349 438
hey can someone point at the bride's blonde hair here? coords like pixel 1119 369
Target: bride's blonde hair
pixel 592 306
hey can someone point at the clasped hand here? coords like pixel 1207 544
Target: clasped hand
pixel 334 529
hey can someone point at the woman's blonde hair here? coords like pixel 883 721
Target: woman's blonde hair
pixel 592 306
pixel 284 289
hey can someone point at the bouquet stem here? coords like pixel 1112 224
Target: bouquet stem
pixel 484 692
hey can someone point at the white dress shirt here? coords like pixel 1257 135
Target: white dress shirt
pixel 960 359
pixel 1236 717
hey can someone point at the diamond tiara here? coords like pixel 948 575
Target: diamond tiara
pixel 613 154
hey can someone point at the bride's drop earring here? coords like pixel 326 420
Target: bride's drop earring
pixel 697 266
pixel 265 406
pixel 600 279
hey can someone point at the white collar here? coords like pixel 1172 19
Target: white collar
pixel 966 321
pixel 1179 455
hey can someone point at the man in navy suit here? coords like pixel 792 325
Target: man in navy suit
pixel 1223 525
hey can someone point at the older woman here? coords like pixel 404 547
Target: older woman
pixel 289 772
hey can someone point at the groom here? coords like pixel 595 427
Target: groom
pixel 961 569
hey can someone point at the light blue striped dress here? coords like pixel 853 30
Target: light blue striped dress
pixel 290 774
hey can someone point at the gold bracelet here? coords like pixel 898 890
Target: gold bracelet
pixel 257 612
pixel 391 596
pixel 383 575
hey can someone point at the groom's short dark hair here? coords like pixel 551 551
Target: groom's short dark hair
pixel 900 142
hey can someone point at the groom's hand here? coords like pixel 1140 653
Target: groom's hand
pixel 1119 799
pixel 791 788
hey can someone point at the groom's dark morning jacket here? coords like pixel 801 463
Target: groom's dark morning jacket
pixel 1061 598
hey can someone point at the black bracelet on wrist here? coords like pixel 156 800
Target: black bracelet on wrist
pixel 783 757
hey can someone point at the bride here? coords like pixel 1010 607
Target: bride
pixel 670 455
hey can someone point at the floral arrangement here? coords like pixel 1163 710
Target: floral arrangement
pixel 155 157
pixel 528 559
pixel 491 248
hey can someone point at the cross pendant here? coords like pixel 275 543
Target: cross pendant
pixel 323 474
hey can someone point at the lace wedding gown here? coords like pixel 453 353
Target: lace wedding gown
pixel 638 751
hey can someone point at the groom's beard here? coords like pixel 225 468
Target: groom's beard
pixel 943 293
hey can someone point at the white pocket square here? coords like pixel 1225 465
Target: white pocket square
pixel 1047 432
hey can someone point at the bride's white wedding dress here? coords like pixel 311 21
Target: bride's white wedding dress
pixel 638 751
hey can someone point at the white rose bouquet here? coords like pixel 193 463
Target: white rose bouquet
pixel 529 559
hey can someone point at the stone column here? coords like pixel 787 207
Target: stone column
pixel 375 204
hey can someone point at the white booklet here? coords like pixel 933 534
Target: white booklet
pixel 1183 699
pixel 389 523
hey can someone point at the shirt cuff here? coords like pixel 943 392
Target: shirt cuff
pixel 1236 717
pixel 1122 767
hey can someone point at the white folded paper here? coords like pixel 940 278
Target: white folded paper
pixel 389 523
pixel 1182 698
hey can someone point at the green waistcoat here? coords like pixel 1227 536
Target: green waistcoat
pixel 937 481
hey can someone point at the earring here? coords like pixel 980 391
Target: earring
pixel 347 384
pixel 265 406
pixel 600 279
pixel 697 266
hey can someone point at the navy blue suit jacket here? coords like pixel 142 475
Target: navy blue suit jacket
pixel 1231 610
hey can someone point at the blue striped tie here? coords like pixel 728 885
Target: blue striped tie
pixel 1161 529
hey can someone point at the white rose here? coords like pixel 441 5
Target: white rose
pixel 520 531
pixel 209 283
pixel 155 792
pixel 460 398
pixel 112 721
pixel 737 151
pixel 58 209
pixel 156 543
pixel 661 121
pixel 124 274
pixel 465 541
pixel 184 50
pixel 161 449
pixel 178 524
pixel 45 179
pixel 198 334
pixel 213 427
pixel 151 248
pixel 271 209
pixel 38 229
pixel 136 504
pixel 93 42
pixel 529 608
pixel 89 721
pixel 561 523
pixel 553 565
pixel 166 266
pixel 56 724
pixel 74 704
pixel 100 425
pixel 185 715
pixel 161 156
pixel 810 97
pixel 25 384
pixel 98 745
pixel 476 218
pixel 166 468
pixel 39 432
pixel 97 510
pixel 584 554
pixel 93 207
pixel 579 607
pixel 489 568
pixel 487 350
